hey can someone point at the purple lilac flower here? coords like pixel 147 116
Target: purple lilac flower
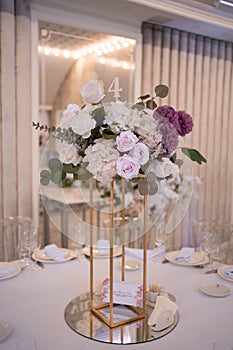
pixel 169 135
pixel 185 123
pixel 181 120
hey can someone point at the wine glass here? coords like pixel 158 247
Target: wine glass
pixel 80 237
pixel 29 242
pixel 160 237
pixel 209 244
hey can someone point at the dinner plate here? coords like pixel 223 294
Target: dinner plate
pixel 42 257
pixel 198 258
pixel 215 289
pixel 221 272
pixel 116 252
pixel 14 269
pixel 5 330
pixel 130 265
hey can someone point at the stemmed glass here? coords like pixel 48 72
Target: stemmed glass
pixel 209 244
pixel 80 237
pixel 29 242
pixel 160 237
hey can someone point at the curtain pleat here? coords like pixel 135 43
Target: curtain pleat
pixel 15 104
pixel 198 71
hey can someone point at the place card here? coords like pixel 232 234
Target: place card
pixel 123 293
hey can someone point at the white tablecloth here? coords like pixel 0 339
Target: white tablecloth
pixel 34 301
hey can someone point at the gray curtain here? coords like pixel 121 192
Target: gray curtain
pixel 198 71
pixel 15 109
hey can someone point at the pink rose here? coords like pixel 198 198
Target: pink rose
pixel 106 172
pixel 140 153
pixel 126 141
pixel 127 167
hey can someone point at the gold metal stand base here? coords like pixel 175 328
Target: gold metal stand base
pixel 97 310
pixel 82 320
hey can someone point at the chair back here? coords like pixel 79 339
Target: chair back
pixel 11 230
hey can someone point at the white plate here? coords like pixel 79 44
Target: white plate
pixel 215 290
pixel 16 269
pixel 5 330
pixel 116 252
pixel 198 258
pixel 41 256
pixel 221 272
pixel 130 265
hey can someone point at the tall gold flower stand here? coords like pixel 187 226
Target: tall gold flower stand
pixel 139 313
pixel 89 316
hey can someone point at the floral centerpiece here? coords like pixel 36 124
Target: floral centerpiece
pixel 115 140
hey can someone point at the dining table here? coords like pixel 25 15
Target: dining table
pixel 33 303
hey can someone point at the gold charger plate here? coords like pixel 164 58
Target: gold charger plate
pixel 116 252
pixel 221 272
pixel 198 258
pixel 16 269
pixel 42 257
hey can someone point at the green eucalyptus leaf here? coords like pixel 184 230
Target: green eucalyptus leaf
pixel 70 168
pixel 44 181
pixel 55 163
pixel 194 155
pixel 83 174
pixel 108 134
pixel 56 176
pixel 98 115
pixel 144 97
pixel 143 186
pixel 151 104
pixel 151 177
pixel 45 174
pixel 161 90
pixel 153 188
pixel 138 105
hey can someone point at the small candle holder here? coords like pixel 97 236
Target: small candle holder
pixel 153 292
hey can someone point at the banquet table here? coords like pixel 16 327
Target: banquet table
pixel 33 302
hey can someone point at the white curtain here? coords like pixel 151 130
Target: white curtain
pixel 198 71
pixel 15 109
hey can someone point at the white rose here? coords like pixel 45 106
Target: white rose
pixel 68 115
pixel 68 154
pixel 164 168
pixel 83 124
pixel 93 92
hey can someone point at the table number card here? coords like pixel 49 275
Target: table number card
pixel 123 293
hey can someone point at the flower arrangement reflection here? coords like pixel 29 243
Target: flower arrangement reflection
pixel 117 140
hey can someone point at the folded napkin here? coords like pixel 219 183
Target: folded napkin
pixel 185 254
pixel 163 314
pixel 6 270
pixel 54 253
pixel 229 273
pixel 138 253
pixel 103 246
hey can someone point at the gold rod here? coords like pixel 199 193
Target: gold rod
pixel 145 254
pixel 111 249
pixel 91 244
pixel 123 231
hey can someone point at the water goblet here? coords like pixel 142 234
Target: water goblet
pixel 80 237
pixel 209 244
pixel 29 240
pixel 160 237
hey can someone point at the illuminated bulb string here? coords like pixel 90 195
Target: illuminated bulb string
pixel 98 49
